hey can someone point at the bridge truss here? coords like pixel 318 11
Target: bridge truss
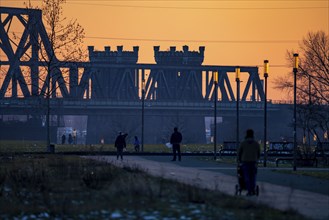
pixel 25 74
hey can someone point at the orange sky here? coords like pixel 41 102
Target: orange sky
pixel 233 32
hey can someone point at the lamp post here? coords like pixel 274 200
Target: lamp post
pixel 215 79
pixel 237 79
pixel 48 95
pixel 266 67
pixel 295 106
pixel 143 104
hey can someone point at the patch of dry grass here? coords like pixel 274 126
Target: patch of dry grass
pixel 53 186
pixel 8 146
pixel 316 174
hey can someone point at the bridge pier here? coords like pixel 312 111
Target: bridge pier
pixel 158 126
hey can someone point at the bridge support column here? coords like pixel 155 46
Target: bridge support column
pixel 157 128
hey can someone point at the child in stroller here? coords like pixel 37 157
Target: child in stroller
pixel 241 182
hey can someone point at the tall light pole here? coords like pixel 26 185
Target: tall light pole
pixel 266 67
pixel 48 95
pixel 237 79
pixel 48 118
pixel 143 104
pixel 295 108
pixel 215 80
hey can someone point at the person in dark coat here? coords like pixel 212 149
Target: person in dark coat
pixel 175 140
pixel 248 155
pixel 136 144
pixel 120 143
pixel 63 139
pixel 70 140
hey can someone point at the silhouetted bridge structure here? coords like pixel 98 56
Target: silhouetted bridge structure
pixel 177 90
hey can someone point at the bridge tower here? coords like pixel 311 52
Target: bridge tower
pixel 113 79
pixel 114 83
pixel 176 84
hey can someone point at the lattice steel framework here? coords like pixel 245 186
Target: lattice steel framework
pixel 110 79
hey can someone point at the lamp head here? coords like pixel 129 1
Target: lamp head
pixel 215 77
pixel 296 60
pixel 237 72
pixel 266 68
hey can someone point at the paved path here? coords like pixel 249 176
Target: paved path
pixel 295 192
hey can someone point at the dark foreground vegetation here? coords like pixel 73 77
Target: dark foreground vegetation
pixel 70 187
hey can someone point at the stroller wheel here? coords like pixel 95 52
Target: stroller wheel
pixel 257 190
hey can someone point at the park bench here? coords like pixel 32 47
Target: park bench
pixel 229 147
pixel 286 150
pixel 280 148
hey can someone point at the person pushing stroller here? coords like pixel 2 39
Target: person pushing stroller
pixel 248 155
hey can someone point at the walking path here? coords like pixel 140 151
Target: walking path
pixel 308 196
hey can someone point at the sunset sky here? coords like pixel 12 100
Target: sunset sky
pixel 233 32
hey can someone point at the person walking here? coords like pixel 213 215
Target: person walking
pixel 120 143
pixel 74 136
pixel 136 144
pixel 175 140
pixel 70 140
pixel 248 155
pixel 63 138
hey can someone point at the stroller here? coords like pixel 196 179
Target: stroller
pixel 241 183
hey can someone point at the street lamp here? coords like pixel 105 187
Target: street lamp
pixel 143 104
pixel 295 92
pixel 48 95
pixel 215 80
pixel 237 79
pixel 266 67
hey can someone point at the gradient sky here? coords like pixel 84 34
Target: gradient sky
pixel 233 32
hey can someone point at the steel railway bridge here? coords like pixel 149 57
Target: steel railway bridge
pixel 114 90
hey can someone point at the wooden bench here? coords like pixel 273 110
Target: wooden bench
pixel 280 148
pixel 229 147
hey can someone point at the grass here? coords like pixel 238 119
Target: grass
pixel 52 186
pixel 8 146
pixel 22 146
pixel 271 164
pixel 316 174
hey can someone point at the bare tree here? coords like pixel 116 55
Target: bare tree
pixel 313 71
pixel 64 44
pixel 66 36
pixel 315 66
pixel 312 83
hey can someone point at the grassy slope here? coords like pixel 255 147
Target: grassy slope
pixel 68 186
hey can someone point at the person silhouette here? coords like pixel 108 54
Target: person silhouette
pixel 136 144
pixel 70 139
pixel 63 138
pixel 175 140
pixel 120 144
pixel 74 136
pixel 248 155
